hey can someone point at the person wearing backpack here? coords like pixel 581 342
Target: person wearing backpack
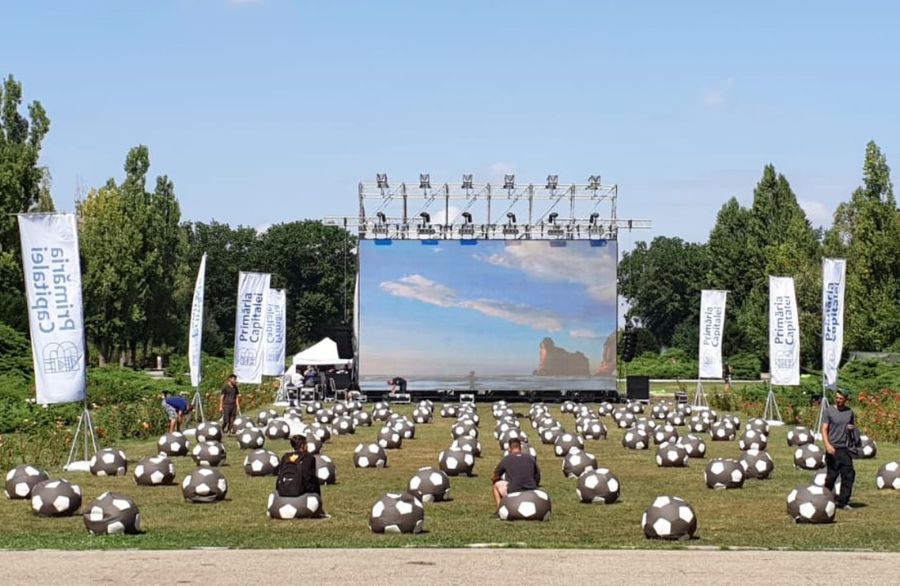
pixel 297 472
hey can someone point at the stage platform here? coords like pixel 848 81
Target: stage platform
pixel 510 396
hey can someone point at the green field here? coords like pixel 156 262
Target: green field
pixel 750 517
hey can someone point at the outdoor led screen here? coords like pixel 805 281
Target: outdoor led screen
pixel 488 314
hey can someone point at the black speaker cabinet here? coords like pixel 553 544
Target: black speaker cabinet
pixel 638 388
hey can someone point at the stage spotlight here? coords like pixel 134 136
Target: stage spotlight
pixel 467 181
pixel 381 217
pixel 424 181
pixel 382 180
pixel 593 218
pixel 426 218
pixel 467 217
pixel 509 182
pixel 594 182
pixel 552 181
pixel 511 217
pixel 426 230
pixel 552 217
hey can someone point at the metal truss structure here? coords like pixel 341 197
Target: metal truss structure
pixel 481 211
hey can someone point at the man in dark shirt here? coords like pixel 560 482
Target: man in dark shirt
pixel 398 384
pixel 521 470
pixel 837 424
pixel 229 403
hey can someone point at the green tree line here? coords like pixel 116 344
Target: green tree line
pixel 662 279
pixel 140 259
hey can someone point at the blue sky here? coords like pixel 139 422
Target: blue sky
pixel 449 308
pixel 289 104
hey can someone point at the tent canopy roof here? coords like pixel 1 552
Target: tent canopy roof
pixel 323 352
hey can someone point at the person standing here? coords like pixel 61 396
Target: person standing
pixel 229 403
pixel 838 424
pixel 521 470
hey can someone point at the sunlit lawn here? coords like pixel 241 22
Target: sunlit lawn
pixel 750 517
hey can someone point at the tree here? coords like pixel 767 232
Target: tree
pixel 866 232
pixel 662 282
pixel 20 190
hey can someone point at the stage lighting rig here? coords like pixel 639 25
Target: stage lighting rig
pixel 509 182
pixel 467 182
pixel 381 228
pixel 593 183
pixel 424 181
pixel 467 230
pixel 425 228
pixel 381 181
pixel 555 229
pixel 552 182
pixel 595 232
pixel 510 228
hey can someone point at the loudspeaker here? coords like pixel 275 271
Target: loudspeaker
pixel 637 388
pixel 342 334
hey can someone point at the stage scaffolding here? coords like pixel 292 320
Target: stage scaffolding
pixel 468 210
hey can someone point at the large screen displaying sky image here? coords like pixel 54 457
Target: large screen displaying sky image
pixel 488 314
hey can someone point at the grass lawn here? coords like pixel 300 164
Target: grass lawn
pixel 750 517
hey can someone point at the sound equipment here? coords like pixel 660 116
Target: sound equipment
pixel 638 388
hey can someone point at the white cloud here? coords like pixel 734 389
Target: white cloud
pixel 718 96
pixel 263 228
pixel 584 334
pixel 572 264
pixel 427 291
pixel 443 217
pixel 818 213
pixel 498 170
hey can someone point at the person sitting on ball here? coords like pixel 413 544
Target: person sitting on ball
pixel 521 470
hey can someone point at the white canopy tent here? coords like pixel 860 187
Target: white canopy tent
pixel 322 353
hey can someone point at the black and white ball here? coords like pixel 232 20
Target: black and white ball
pixel 362 419
pixel 209 432
pixel 305 506
pixel 325 470
pixel 465 427
pixel 311 408
pixel 722 431
pixel 868 449
pixel 624 419
pixel 724 473
pixel 421 415
pixel 698 424
pixel 261 463
pixel 675 418
pixel 173 444
pixel 397 513
pixel 809 457
pixel 263 418
pixel 799 436
pixel 109 462
pixel 251 438
pixel 527 505
pixel 321 431
pixel 405 427
pixel 449 411
pixel 278 429
pixel 635 407
pixel 369 456
pixel 605 409
pixel 381 413
pixel 598 485
pixel 575 463
pixel 112 513
pixel 241 422
pixel 313 445
pixel 456 462
pixel 665 433
pixel 511 434
pixel 324 416
pixel 430 485
pixel 888 476
pixel 566 443
pixel 753 439
pixel 660 411
pixel 204 485
pixel 567 407
pixel 389 438
pixel 343 425
pixel 671 455
pixel 820 477
pixel 636 439
pixel 811 504
pixel 21 480
pixel 757 464
pixel 154 471
pixel 693 445
pixel 594 430
pixel 669 517
pixel 55 498
pixel 208 453
pixel 758 424
pixel 550 434
pixel 467 444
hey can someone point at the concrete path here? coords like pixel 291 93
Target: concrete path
pixel 424 567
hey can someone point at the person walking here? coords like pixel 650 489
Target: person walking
pixel 839 433
pixel 229 403
pixel 521 470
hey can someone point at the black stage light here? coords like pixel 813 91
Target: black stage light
pixel 552 181
pixel 381 217
pixel 467 217
pixel 511 217
pixel 552 217
pixel 382 180
pixel 467 181
pixel 424 181
pixel 509 182
pixel 594 182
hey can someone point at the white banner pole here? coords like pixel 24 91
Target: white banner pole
pixel 195 339
pixel 249 334
pixel 275 333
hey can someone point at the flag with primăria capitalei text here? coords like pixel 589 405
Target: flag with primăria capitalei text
pixel 712 327
pixel 784 332
pixel 53 290
pixel 833 276
pixel 276 315
pixel 249 328
pixel 195 334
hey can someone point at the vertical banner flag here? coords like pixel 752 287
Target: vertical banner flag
pixel 833 273
pixel 53 289
pixel 784 332
pixel 250 319
pixel 712 327
pixel 275 333
pixel 195 340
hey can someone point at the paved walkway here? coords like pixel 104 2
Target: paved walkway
pixel 424 567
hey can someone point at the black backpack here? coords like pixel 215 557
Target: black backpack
pixel 290 481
